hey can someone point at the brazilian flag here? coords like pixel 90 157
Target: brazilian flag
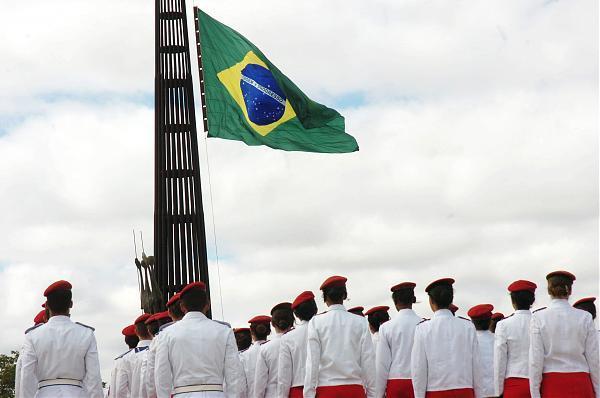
pixel 248 99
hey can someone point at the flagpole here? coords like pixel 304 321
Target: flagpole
pixel 200 70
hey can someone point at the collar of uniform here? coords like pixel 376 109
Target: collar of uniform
pixel 442 314
pixel 483 332
pixel 276 336
pixel 59 318
pixel 144 343
pixel 557 303
pixel 522 312
pixel 338 307
pixel 258 342
pixel 406 311
pixel 301 323
pixel 194 315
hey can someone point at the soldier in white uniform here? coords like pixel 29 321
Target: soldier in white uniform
pixel 563 353
pixel 260 328
pixel 243 338
pixel 131 339
pixel 175 314
pixel 444 359
pixel 39 319
pixel 60 358
pixel 267 365
pixel 511 344
pixel 340 360
pixel 481 316
pixel 197 356
pixel 292 352
pixel 395 346
pixel 376 317
pixel 129 375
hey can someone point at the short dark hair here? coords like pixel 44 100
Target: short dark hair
pixel 260 331
pixel 132 341
pixel 194 299
pixel 560 285
pixel 175 308
pixel 523 300
pixel 442 295
pixel 377 319
pixel 153 327
pixel 587 306
pixel 335 293
pixel 141 329
pixel 404 296
pixel 243 339
pixel 482 324
pixel 282 316
pixel 306 311
pixel 59 301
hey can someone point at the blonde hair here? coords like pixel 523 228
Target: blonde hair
pixel 560 286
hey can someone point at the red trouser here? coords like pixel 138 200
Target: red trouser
pixel 348 391
pixel 399 388
pixel 567 385
pixel 458 393
pixel 296 392
pixel 516 387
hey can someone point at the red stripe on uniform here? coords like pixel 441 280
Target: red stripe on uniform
pixel 516 387
pixel 566 385
pixel 399 388
pixel 457 393
pixel 348 391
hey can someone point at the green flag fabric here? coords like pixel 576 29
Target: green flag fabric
pixel 248 99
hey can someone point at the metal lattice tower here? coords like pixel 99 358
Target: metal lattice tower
pixel 179 231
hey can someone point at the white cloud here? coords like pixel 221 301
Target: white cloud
pixel 478 155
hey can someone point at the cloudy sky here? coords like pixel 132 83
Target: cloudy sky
pixel 477 123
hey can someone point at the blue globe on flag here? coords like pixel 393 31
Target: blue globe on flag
pixel 265 100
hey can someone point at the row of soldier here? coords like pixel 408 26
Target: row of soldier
pixel 552 352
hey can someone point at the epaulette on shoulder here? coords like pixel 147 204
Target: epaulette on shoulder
pixel 244 350
pixel 506 317
pixel 85 326
pixel 33 327
pixel 265 342
pixel 140 349
pixel 122 355
pixel 321 313
pixel 423 321
pixel 463 318
pixel 289 331
pixel 539 309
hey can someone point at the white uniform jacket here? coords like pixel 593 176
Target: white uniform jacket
pixel 563 339
pixel 196 351
pixel 511 349
pixel 485 343
pixel 61 349
pixel 112 390
pixel 249 357
pixel 267 365
pixel 134 365
pixel 394 348
pixel 444 355
pixel 340 352
pixel 150 386
pixel 292 359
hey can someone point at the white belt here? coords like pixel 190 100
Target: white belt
pixel 59 382
pixel 198 388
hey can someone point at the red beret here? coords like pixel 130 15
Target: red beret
pixel 56 286
pixel 173 299
pixel 260 319
pixel 40 318
pixel 162 316
pixel 382 308
pixel 239 330
pixel 302 298
pixel 443 281
pixel 521 285
pixel 193 285
pixel 334 281
pixel 585 300
pixel 142 318
pixel 129 331
pixel 403 285
pixel 561 273
pixel 481 311
pixel 357 310
pixel 497 315
pixel 453 308
pixel 150 319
